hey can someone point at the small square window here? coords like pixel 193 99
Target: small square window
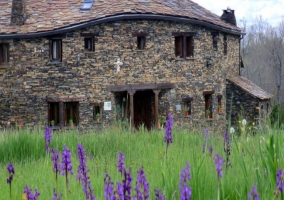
pixel 187 108
pixel 53 113
pixel 56 50
pixel 184 46
pixel 4 54
pixel 97 113
pixel 141 42
pixel 89 44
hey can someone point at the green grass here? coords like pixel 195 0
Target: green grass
pixel 254 162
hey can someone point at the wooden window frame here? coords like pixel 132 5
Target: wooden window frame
pixel 71 113
pixel 5 54
pixel 53 113
pixel 208 104
pixel 184 44
pixel 87 41
pixel 57 55
pixel 225 41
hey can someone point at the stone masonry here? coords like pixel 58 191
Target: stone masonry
pixel 30 77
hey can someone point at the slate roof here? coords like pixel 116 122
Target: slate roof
pixel 48 15
pixel 250 87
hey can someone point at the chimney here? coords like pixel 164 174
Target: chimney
pixel 18 11
pixel 229 16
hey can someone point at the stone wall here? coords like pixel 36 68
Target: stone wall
pixel 245 106
pixel 31 77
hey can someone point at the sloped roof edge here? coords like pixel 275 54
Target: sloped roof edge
pixel 250 87
pixel 120 17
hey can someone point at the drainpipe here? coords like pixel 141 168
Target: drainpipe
pixel 242 37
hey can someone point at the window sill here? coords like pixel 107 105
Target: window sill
pixel 54 63
pixel 4 66
pixel 190 58
pixel 140 50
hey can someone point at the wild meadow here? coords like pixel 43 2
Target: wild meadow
pixel 183 165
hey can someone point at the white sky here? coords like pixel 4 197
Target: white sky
pixel 271 11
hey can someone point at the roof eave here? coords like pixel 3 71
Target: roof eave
pixel 121 17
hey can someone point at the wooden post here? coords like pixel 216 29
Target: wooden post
pixel 156 107
pixel 61 114
pixel 131 94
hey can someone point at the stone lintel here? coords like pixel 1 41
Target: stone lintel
pixel 120 88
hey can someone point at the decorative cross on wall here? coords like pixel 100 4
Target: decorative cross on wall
pixel 117 64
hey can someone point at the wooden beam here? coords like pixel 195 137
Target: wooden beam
pixel 205 92
pixel 131 94
pixel 156 107
pixel 89 34
pixel 183 33
pixel 64 99
pixel 140 34
pixel 120 88
pixel 61 114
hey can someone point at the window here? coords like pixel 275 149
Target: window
pixel 56 50
pixel 141 42
pixel 225 45
pixel 184 44
pixel 208 106
pixel 187 105
pixel 89 44
pixel 4 53
pixel 71 112
pixel 219 105
pixel 53 113
pixel 87 4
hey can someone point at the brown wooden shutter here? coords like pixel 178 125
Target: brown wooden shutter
pixel 59 50
pixel 50 50
pixel 189 49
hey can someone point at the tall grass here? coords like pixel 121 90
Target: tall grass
pixel 254 161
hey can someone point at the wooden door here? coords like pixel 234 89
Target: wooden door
pixel 142 109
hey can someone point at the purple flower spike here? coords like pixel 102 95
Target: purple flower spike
pixel 279 180
pixel 55 160
pixel 47 137
pixel 253 195
pixel 108 188
pixel 83 173
pixel 119 188
pixel 11 171
pixel 185 191
pixel 168 130
pixel 159 195
pixel 66 165
pixel 29 193
pixel 203 147
pixel 142 183
pixel 120 164
pixel 219 162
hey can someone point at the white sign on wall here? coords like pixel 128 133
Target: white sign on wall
pixel 107 105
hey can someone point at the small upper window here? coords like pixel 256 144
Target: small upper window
pixel 56 50
pixel 141 42
pixel 87 4
pixel 215 42
pixel 89 44
pixel 4 53
pixel 184 47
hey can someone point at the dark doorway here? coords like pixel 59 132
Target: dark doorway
pixel 143 109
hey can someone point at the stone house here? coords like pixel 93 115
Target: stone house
pixel 78 60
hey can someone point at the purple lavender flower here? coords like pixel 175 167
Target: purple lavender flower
pixel 119 188
pixel 219 162
pixel 83 173
pixel 120 164
pixel 185 191
pixel 168 130
pixel 47 137
pixel 66 165
pixel 29 193
pixel 159 195
pixel 55 160
pixel 210 150
pixel 142 184
pixel 55 195
pixel 279 180
pixel 253 195
pixel 127 185
pixel 11 171
pixel 108 188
